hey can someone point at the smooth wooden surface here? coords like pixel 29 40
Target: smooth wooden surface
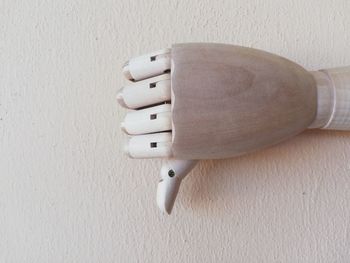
pixel 340 80
pixel 325 99
pixel 230 100
pixel 333 99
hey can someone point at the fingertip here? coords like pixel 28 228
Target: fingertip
pixel 120 99
pixel 126 71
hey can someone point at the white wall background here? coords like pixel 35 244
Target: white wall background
pixel 67 192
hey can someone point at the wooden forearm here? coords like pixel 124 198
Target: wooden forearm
pixel 333 99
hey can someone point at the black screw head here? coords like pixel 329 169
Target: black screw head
pixel 171 173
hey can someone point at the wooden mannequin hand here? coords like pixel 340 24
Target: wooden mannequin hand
pixel 207 101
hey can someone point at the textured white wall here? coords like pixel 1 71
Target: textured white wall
pixel 68 194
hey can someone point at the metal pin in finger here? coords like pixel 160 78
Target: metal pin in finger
pixel 147 66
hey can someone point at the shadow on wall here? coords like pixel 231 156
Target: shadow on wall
pixel 226 182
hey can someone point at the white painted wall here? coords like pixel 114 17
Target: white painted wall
pixel 68 194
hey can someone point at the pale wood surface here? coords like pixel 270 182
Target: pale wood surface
pixel 333 99
pixel 325 99
pixel 230 100
pixel 340 79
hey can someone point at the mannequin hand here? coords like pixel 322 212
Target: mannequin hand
pixel 210 101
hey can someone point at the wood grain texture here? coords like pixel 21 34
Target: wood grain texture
pixel 230 100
